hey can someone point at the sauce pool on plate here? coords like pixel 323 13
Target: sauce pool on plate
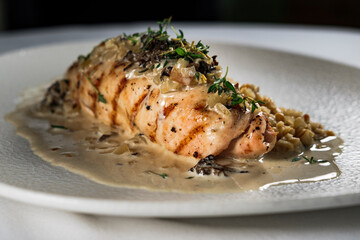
pixel 110 156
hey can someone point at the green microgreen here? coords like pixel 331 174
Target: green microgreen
pixel 165 63
pixel 180 51
pixel 101 97
pixel 197 75
pixel 133 40
pixel 202 48
pixel 82 57
pixel 312 160
pixel 178 36
pixel 163 175
pixel 183 49
pixel 296 159
pixel 58 126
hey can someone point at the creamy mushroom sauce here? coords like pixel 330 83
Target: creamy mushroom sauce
pixel 112 157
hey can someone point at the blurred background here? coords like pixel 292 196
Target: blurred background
pixel 25 14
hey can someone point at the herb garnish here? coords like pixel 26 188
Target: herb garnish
pixel 296 159
pixel 58 126
pixel 158 45
pixel 101 97
pixel 132 38
pixel 197 75
pixel 310 160
pixel 84 57
pixel 221 85
pixel 163 175
pixel 165 63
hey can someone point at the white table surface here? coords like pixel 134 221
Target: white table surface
pixel 22 221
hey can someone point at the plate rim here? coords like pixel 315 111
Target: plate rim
pixel 106 207
pixel 76 204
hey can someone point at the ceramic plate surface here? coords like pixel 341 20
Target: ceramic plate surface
pixel 328 91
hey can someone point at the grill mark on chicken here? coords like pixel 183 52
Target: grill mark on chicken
pixel 200 106
pixel 192 134
pixel 87 76
pixel 154 94
pixel 135 108
pixel 128 66
pixel 114 67
pixel 152 135
pixel 99 80
pixel 93 96
pixel 168 109
pixel 118 64
pixel 114 101
pixel 96 85
pixel 78 82
pixel 93 69
pixel 77 87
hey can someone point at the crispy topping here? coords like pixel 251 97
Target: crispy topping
pixel 55 96
pixel 208 166
pixel 156 49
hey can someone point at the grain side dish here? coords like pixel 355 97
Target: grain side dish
pixel 295 131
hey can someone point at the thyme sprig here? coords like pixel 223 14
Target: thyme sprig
pixel 190 52
pixel 101 97
pixel 163 175
pixel 58 126
pixel 133 38
pixel 221 85
pixel 310 160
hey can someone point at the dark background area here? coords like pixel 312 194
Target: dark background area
pixel 22 14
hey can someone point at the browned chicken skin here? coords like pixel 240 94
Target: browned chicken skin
pixel 179 120
pixel 257 140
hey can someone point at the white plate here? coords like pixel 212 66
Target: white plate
pixel 329 92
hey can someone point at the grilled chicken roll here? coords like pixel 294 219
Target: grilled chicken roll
pixel 171 91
